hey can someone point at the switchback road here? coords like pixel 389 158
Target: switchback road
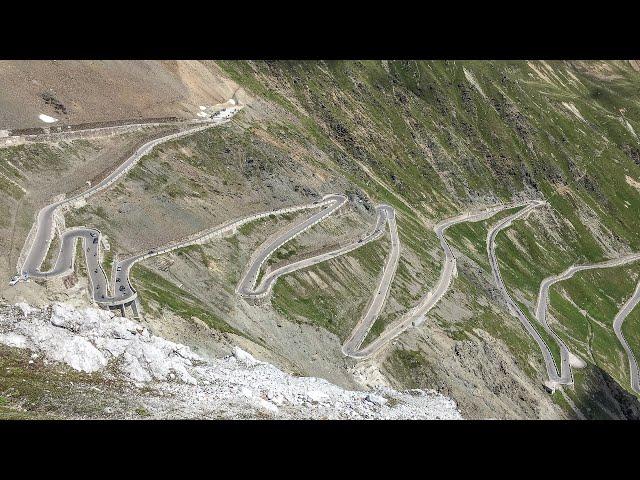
pixel 417 314
pixel 39 240
pixel 617 328
pixel 549 361
pixel 542 306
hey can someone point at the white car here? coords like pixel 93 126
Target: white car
pixel 15 279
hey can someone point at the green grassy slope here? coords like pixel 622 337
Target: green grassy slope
pixel 432 139
pixel 440 136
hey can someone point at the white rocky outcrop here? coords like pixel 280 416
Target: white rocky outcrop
pixel 188 386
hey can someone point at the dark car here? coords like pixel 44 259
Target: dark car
pixel 118 279
pixel 95 240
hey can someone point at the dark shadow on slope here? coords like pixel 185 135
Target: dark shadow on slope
pixel 599 396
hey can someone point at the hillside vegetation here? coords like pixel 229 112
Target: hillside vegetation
pixel 432 139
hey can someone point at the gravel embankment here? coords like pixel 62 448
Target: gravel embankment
pixel 186 385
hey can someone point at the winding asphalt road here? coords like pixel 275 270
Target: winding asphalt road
pixel 266 284
pixel 352 346
pixel 549 361
pixel 332 204
pixel 617 328
pixel 246 286
pixel 359 334
pixel 566 376
pixel 386 213
pixel 417 315
pixel 39 240
pixel 123 267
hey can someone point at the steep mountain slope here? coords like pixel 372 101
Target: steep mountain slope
pixel 442 135
pixel 74 92
pixel 431 139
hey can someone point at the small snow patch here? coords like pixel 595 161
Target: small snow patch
pixel 317 396
pixel 47 118
pixel 576 362
pixel 376 399
pixel 13 340
pixel 268 406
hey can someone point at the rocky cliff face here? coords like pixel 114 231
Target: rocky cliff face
pixel 169 380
